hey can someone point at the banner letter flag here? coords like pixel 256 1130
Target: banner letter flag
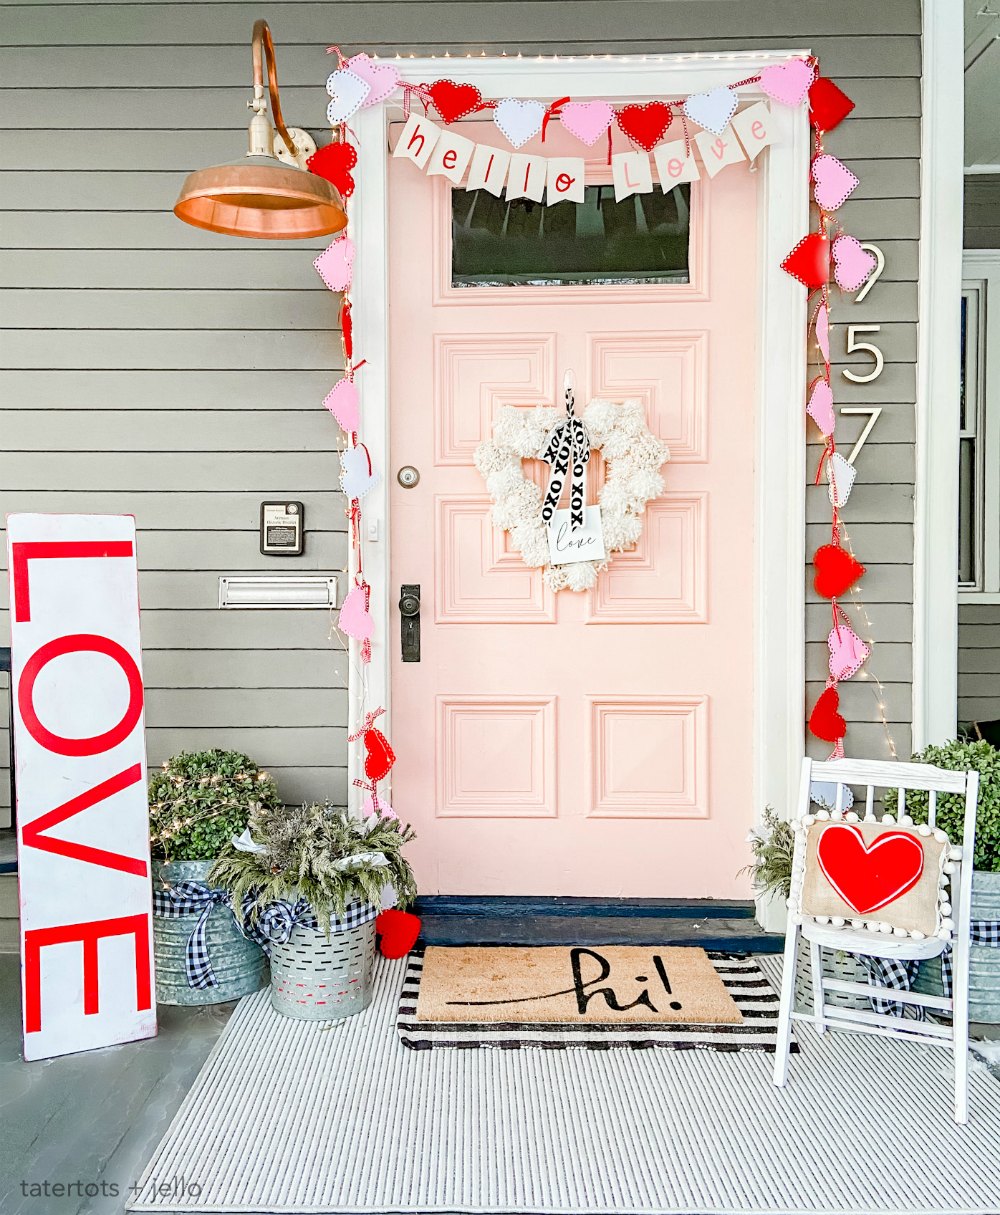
pixel 753 127
pixel 526 177
pixel 717 151
pixel 565 180
pixel 675 164
pixel 450 157
pixel 631 174
pixel 417 140
pixel 488 170
pixel 83 817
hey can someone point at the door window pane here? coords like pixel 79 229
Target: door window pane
pixel 642 239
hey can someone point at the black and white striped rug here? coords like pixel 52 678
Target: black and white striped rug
pixel 742 977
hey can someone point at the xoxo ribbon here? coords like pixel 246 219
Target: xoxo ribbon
pixel 568 443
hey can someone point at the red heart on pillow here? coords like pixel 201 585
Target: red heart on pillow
pixel 453 101
pixel 335 162
pixel 824 721
pixel 869 876
pixel 379 756
pixel 645 124
pixel 399 931
pixel 809 261
pixel 828 105
pixel 836 571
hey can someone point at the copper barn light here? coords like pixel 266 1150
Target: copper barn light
pixel 261 196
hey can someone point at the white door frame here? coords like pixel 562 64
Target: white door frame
pixel 780 453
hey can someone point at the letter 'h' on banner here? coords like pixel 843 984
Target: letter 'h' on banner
pixel 80 755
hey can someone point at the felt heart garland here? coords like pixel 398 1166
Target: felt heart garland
pixel 836 571
pixel 828 105
pixel 809 261
pixel 645 124
pixel 852 264
pixel 335 162
pixel 379 755
pixel 454 101
pixel 848 653
pixel 825 721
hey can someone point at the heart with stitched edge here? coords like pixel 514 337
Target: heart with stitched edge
pixel 848 653
pixel 822 324
pixel 836 571
pixel 824 721
pixel 379 756
pixel 398 931
pixel 809 261
pixel 788 82
pixel 519 120
pixel 833 182
pixel 869 876
pixel 357 476
pixel 355 619
pixel 454 101
pixel 820 407
pixel 587 120
pixel 347 93
pixel 335 162
pixel 852 264
pixel 382 78
pixel 335 264
pixel 645 124
pixel 828 105
pixel 342 402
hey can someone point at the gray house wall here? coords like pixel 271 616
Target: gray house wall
pixel 152 368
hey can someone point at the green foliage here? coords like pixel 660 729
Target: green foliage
pixel 772 846
pixel 320 853
pixel 200 799
pixel 960 755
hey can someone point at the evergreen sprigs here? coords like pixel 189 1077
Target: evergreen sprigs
pixel 199 800
pixel 321 853
pixel 772 845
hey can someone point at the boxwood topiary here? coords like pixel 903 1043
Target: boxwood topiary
pixel 959 755
pixel 199 800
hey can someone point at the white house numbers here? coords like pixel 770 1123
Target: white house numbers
pixel 854 344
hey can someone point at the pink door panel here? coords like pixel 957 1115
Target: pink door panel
pixel 575 744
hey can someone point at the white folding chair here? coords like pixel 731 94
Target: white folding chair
pixel 885 933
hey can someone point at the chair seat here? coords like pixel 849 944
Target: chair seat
pixel 878 944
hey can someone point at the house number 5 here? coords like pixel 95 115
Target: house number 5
pixel 853 346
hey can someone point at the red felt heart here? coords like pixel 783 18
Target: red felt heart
pixel 645 124
pixel 824 721
pixel 828 105
pixel 869 876
pixel 809 261
pixel 836 571
pixel 453 101
pixel 335 162
pixel 379 756
pixel 399 931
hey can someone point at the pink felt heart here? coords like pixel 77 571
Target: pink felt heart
pixel 587 120
pixel 382 78
pixel 851 264
pixel 334 264
pixel 841 476
pixel 374 805
pixel 832 182
pixel 820 407
pixel 342 402
pixel 823 331
pixel 788 82
pixel 847 651
pixel 355 619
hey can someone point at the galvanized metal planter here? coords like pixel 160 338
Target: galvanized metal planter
pixel 238 963
pixel 836 965
pixel 315 979
pixel 984 960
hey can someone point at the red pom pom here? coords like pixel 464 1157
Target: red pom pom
pixel 399 931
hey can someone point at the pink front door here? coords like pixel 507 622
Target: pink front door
pixel 592 743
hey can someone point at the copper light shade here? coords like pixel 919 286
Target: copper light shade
pixel 259 196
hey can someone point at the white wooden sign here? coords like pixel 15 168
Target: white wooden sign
pixel 82 814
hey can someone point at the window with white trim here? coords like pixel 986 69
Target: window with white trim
pixel 979 433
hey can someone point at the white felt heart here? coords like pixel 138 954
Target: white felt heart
pixel 841 476
pixel 712 110
pixel 824 793
pixel 519 120
pixel 348 93
pixel 357 476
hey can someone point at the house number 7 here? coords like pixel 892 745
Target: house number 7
pixel 853 345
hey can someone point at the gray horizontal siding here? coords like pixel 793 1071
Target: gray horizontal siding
pixel 978 662
pixel 982 211
pixel 151 368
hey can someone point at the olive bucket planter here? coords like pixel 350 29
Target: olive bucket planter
pixel 320 978
pixel 984 960
pixel 238 963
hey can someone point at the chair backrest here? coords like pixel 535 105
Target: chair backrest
pixel 948 856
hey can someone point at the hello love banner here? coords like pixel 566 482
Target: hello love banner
pixel 553 179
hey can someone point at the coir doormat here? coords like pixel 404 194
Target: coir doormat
pixel 595 997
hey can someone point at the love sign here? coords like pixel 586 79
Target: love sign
pixel 583 544
pixel 83 833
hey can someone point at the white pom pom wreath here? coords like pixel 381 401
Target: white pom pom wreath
pixel 632 454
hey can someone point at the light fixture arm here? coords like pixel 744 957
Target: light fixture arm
pixel 260 141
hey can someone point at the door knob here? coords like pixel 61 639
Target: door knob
pixel 409 622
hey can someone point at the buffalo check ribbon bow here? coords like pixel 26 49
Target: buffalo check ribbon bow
pixel 567 445
pixel 276 921
pixel 193 898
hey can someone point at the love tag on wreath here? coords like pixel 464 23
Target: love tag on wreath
pixel 572 546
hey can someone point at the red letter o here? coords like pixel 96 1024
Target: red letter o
pixel 72 644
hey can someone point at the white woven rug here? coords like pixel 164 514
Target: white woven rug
pixel 300 1117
